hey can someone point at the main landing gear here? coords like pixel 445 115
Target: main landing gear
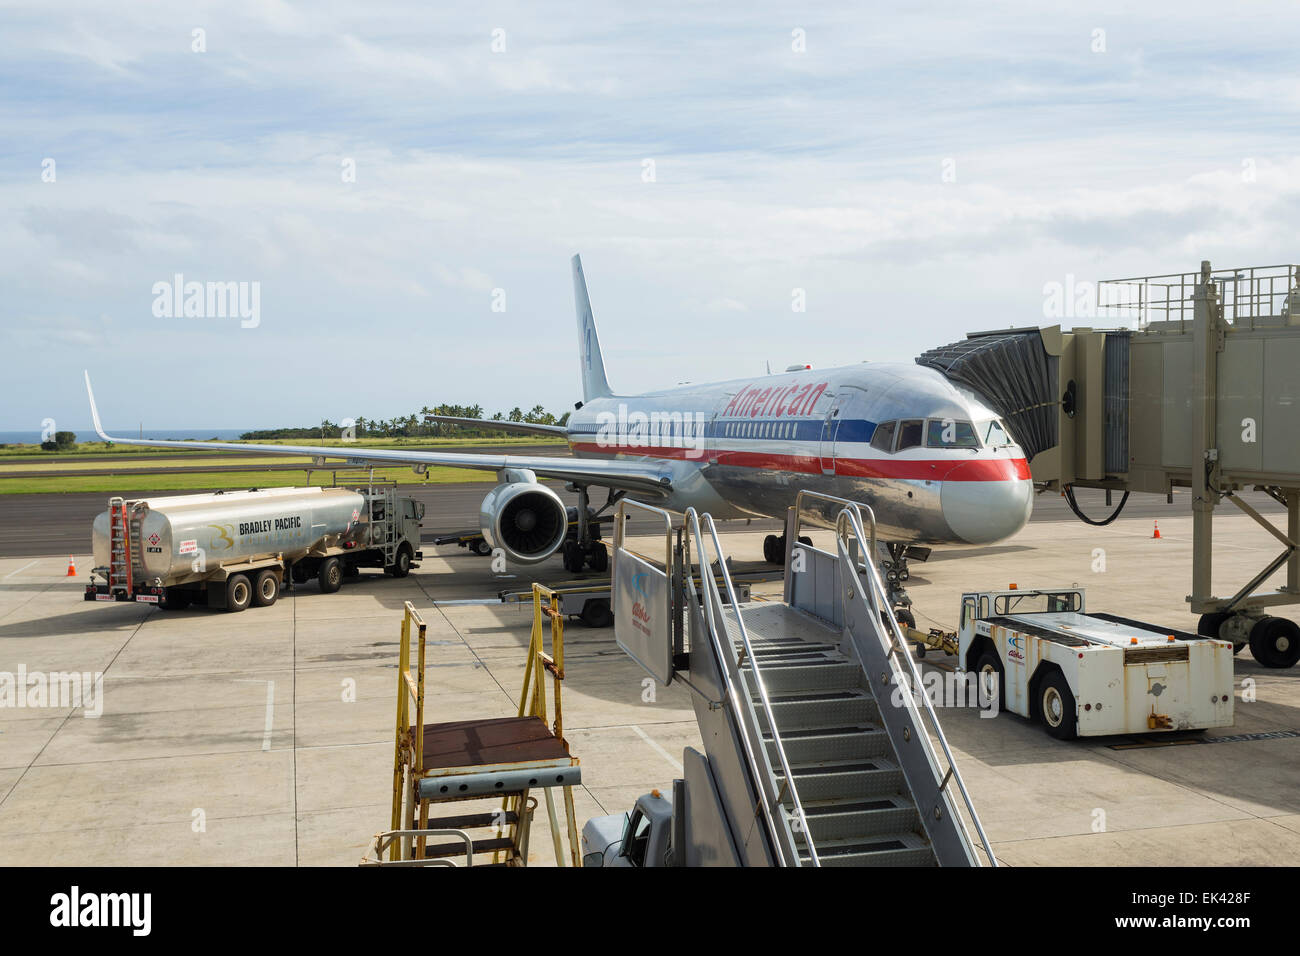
pixel 585 549
pixel 1274 641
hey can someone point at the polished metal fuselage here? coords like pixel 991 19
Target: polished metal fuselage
pixel 744 448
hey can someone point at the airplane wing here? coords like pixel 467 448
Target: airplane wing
pixel 524 427
pixel 638 476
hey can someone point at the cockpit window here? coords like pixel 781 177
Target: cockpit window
pixel 910 434
pixel 883 437
pixel 995 434
pixel 946 433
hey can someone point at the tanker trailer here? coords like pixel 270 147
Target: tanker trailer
pixel 233 549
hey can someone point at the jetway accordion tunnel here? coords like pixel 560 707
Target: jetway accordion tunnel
pixel 1196 384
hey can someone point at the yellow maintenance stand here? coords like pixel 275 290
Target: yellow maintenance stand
pixel 482 759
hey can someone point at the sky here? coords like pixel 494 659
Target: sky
pixel 402 185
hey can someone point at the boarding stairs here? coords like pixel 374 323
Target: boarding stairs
pixel 811 756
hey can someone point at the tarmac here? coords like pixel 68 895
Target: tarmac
pixel 267 737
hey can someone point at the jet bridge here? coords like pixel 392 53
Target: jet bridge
pixel 816 753
pixel 1198 388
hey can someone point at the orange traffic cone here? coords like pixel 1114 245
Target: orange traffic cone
pixel 72 567
pixel 1156 533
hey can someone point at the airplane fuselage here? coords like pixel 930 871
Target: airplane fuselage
pixel 933 462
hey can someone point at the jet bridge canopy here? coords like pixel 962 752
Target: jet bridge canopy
pixel 1197 387
pixel 1015 373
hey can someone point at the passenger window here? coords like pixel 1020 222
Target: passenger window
pixel 910 433
pixel 883 437
pixel 946 433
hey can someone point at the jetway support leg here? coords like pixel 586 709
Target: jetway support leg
pixel 1205 338
pixel 1293 532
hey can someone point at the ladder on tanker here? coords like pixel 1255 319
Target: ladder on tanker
pixel 805 699
pixel 122 530
pixel 382 533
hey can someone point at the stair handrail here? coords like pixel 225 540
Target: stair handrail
pixel 850 519
pixel 715 628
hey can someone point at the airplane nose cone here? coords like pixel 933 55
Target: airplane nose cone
pixel 981 512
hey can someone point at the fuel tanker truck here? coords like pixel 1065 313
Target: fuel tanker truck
pixel 233 549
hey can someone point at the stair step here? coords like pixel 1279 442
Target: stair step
pixel 468 821
pixel 831 709
pixel 793 652
pixel 862 820
pixel 897 849
pixel 837 743
pixel 846 781
pixel 805 676
pixel 458 847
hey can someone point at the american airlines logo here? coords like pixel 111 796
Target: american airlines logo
pixel 789 401
pixel 656 429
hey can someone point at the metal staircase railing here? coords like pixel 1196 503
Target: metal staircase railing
pixel 751 731
pixel 934 801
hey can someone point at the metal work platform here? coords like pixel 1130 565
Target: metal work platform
pixel 1198 389
pixel 816 754
pixel 486 758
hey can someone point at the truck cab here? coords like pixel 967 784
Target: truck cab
pixel 640 838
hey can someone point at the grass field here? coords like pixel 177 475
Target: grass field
pixel 99 449
pixel 20 470
pixel 190 480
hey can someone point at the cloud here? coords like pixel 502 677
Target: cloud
pixel 475 170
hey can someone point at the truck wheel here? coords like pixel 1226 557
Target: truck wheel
pixel 239 593
pixel 1057 705
pixel 175 599
pixel 599 558
pixel 988 666
pixel 266 588
pixel 1275 642
pixel 401 563
pixel 330 575
pixel 596 613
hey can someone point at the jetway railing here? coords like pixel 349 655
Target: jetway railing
pixel 1248 294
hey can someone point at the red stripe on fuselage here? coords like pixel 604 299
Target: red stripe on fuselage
pixel 928 469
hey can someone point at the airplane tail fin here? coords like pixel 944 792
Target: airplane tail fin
pixel 594 383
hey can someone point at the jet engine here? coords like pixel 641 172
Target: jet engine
pixel 525 519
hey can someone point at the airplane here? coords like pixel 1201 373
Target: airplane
pixel 934 462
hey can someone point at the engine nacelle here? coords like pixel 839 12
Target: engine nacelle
pixel 525 519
